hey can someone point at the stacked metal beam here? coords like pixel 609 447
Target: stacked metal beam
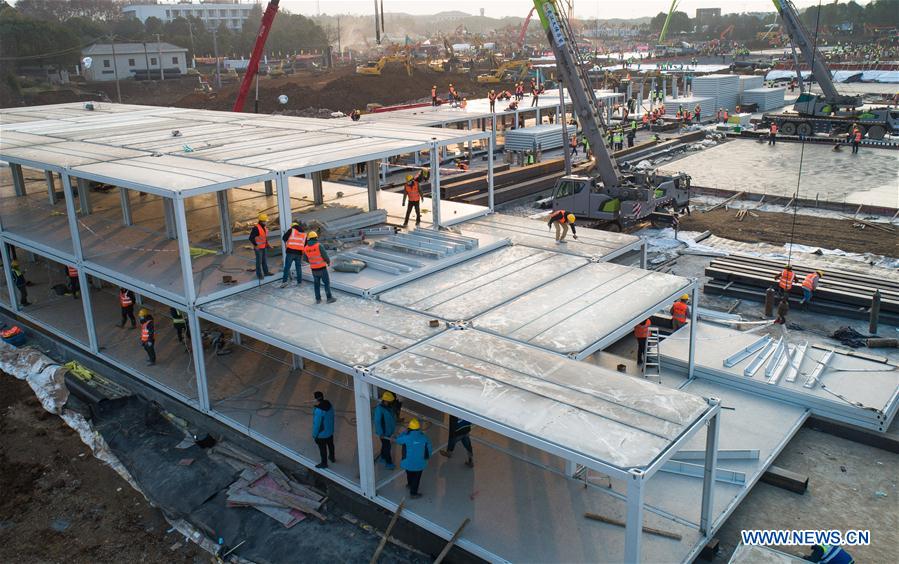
pixel 766 98
pixel 748 82
pixel 724 89
pixel 405 252
pixel 358 221
pixel 530 138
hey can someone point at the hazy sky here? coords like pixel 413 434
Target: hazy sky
pixel 499 8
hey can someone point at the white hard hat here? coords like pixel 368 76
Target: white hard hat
pixel 87 62
pixel 282 98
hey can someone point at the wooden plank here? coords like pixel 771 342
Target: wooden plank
pixel 724 203
pixel 650 530
pixel 451 542
pixel 785 479
pixel 383 543
pixel 286 498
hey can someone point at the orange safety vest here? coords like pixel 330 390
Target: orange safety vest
pixel 412 191
pixel 433 92
pixel 145 331
pixel 645 118
pixel 314 255
pixel 786 279
pixel 641 331
pixel 262 237
pixel 297 240
pixel 125 299
pixel 858 136
pixel 726 116
pixel 810 281
pixel 563 218
pixel 73 272
pixel 491 97
pixel 11 332
pixel 679 312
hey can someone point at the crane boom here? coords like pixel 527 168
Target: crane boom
pixel 574 77
pixel 253 67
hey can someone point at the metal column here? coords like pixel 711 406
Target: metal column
pixel 374 184
pixel 490 149
pixel 224 206
pixel 566 144
pixel 633 531
pixel 640 99
pixel 537 117
pixel 18 179
pixel 318 197
pixel 84 196
pixel 269 188
pixel 470 146
pixel 516 119
pixel 125 196
pixel 643 249
pixel 674 87
pixel 79 261
pixel 364 437
pixel 196 340
pixel 7 272
pixel 51 187
pixel 694 306
pixel 708 476
pixel 169 214
pixel 435 185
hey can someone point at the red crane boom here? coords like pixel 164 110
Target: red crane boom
pixel 267 18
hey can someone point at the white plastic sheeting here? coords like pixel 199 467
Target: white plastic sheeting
pixel 606 416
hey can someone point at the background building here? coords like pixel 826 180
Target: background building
pixel 132 57
pixel 232 15
pixel 705 16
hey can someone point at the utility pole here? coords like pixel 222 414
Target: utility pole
pixel 339 50
pixel 215 51
pixel 193 53
pixel 147 60
pixel 115 69
pixel 377 25
pixel 159 48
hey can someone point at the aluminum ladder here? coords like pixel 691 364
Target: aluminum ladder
pixel 652 362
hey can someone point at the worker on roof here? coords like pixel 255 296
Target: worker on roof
pixel 179 321
pixel 641 332
pixel 453 95
pixel 535 94
pixel 323 429
pixel 416 453
pixel 830 554
pixel 412 195
pixel 519 92
pixel 785 280
pixel 772 134
pixel 562 219
pixel 809 285
pixel 857 136
pixel 259 241
pixel 126 303
pixel 697 111
pixel 294 242
pixel 680 312
pixel 318 260
pixel 434 95
pixel 491 97
pixel 20 282
pixel 459 429
pixel 464 103
pixel 355 115
pixel 147 334
pixel 74 281
pixel 513 105
pixel 385 426
pixel 462 164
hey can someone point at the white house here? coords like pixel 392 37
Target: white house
pixel 131 57
pixel 232 14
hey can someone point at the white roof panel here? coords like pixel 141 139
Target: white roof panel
pixel 67 154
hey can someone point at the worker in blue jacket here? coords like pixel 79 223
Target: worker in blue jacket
pixel 323 429
pixel 416 452
pixel 829 554
pixel 385 426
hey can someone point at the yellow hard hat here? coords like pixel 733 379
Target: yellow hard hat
pixel 820 272
pixel 263 217
pixel 143 312
pixel 388 396
pixel 685 297
pixel 312 235
pixel 15 264
pixel 414 424
pixel 570 217
pixel 295 222
pixel 408 177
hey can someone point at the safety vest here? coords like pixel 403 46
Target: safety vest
pixel 858 136
pixel 641 331
pixel 11 332
pixel 73 272
pixel 787 277
pixel 412 191
pixel 433 92
pixel 297 240
pixel 679 312
pixel 314 255
pixel 726 116
pixel 262 237
pixel 563 218
pixel 125 299
pixel 145 331
pixel 645 118
pixel 810 281
pixel 491 96
pixel 634 125
pixel 773 128
pixel 835 555
pixel 573 141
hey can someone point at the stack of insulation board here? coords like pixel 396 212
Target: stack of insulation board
pixel 529 138
pixel 749 82
pixel 706 105
pixel 766 98
pixel 724 89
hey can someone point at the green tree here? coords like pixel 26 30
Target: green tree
pixel 29 41
pixel 152 26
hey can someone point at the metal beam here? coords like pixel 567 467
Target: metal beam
pixel 318 194
pixel 818 370
pixel 362 393
pixel 746 352
pixel 125 197
pixel 643 253
pixel 711 468
pixel 796 362
pixel 435 184
pixel 694 316
pixel 187 272
pixel 51 186
pixel 169 215
pixel 7 272
pixel 84 196
pixel 224 208
pixel 726 454
pixel 774 361
pixel 84 283
pixel 269 188
pixel 633 531
pixel 18 179
pixel 491 144
pixel 759 360
pixel 722 475
pixel 196 339
pixel 373 183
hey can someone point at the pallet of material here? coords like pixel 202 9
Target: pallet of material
pixel 765 98
pixel 749 82
pixel 724 89
pixel 267 489
pixel 545 137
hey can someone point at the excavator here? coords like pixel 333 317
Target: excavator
pixel 374 68
pixel 510 70
pixel 606 194
pixel 830 112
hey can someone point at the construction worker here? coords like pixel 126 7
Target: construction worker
pixel 783 308
pixel 416 453
pixel 586 143
pixel 680 312
pixel 513 105
pixel 259 240
pixel 857 136
pixel 809 285
pixel 562 220
pixel 459 429
pixel 461 164
pixel 491 97
pixel 697 111
pixel 785 280
pixel 147 335
pixel 74 282
pixel 641 332
pixel 535 95
pixel 719 115
pixel 126 302
pixel 180 323
pixel 618 138
pixel 294 242
pixel 20 282
pixel 323 429
pixel 519 92
pixel 318 260
pixel 830 554
pixel 385 426
pixel 645 120
pixel 412 195
pixel 772 134
pixel 572 143
pixel 453 96
pixel 355 115
pixel 434 95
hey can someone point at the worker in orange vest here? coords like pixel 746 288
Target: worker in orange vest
pixel 126 301
pixel 74 282
pixel 491 97
pixel 453 95
pixel 641 332
pixel 772 134
pixel 147 335
pixel 680 312
pixel 572 143
pixel 318 260
pixel 809 285
pixel 785 280
pixel 412 196
pixel 294 243
pixel 561 219
pixel 857 136
pixel 434 95
pixel 259 240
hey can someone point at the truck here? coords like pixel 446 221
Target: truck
pixel 830 112
pixel 606 194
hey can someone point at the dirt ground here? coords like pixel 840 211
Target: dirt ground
pixel 60 504
pixel 776 228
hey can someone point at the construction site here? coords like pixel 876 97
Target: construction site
pixel 557 307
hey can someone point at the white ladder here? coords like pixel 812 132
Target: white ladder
pixel 651 357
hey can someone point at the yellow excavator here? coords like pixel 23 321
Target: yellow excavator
pixel 374 68
pixel 510 70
